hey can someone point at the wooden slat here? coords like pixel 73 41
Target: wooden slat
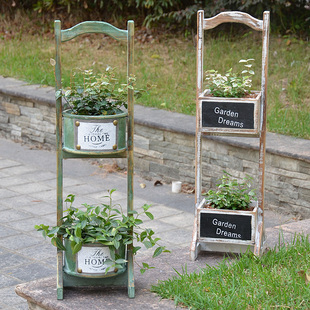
pixel 69 154
pixel 233 17
pixel 94 27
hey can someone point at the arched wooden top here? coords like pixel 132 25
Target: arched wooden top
pixel 233 17
pixel 94 27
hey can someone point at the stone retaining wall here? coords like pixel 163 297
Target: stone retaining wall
pixel 165 147
pixel 171 156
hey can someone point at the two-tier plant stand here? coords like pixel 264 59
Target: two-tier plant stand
pixel 70 145
pixel 226 230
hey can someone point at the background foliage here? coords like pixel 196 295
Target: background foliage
pixel 287 16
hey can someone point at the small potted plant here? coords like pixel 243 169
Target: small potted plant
pixel 229 213
pixel 95 238
pixel 228 105
pixel 93 116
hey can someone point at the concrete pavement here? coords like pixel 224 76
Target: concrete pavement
pixel 28 191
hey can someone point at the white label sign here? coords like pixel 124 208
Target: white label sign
pixel 96 136
pixel 91 259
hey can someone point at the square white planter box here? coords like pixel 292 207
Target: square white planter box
pixel 230 116
pixel 223 230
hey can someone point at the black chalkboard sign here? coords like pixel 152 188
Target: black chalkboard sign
pixel 235 115
pixel 225 226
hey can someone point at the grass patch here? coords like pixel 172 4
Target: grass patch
pixel 276 280
pixel 170 63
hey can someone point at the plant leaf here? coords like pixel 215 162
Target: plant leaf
pixel 158 251
pixel 77 248
pixel 149 215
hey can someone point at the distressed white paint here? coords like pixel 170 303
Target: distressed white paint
pixel 230 131
pixel 233 17
pixel 259 25
pixel 253 214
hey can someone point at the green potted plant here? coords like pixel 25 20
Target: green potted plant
pixel 94 118
pixel 228 105
pixel 229 213
pixel 95 238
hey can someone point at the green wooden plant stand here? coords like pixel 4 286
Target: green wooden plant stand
pixel 119 150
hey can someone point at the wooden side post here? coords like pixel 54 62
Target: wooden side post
pixel 59 158
pixel 199 71
pixel 262 139
pixel 130 168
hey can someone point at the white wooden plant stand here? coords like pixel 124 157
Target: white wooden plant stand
pixel 211 232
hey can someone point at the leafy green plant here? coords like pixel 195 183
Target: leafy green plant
pixel 101 94
pixel 105 224
pixel 231 194
pixel 231 84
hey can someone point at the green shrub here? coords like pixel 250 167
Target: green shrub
pixel 286 16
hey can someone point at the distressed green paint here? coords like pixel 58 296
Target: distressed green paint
pixel 94 27
pixel 116 154
pixel 130 165
pixel 59 158
pixel 116 281
pixel 71 264
pixel 70 131
pixel 126 278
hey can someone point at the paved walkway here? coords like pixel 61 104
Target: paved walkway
pixel 28 192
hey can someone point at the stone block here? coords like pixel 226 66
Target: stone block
pixel 33 113
pixel 142 165
pixel 187 149
pixel 42 126
pixel 16 131
pixel 46 109
pixel 153 155
pixel 227 162
pixel 284 163
pixel 164 147
pixel 163 170
pixel 4 118
pixel 188 172
pixel 287 174
pixel 50 119
pixel 11 108
pixel 305 211
pixel 50 139
pixel 187 158
pixel 304 167
pixel 172 155
pixel 142 142
pixel 271 197
pixel 5 127
pixel 304 194
pixel 31 131
pixel 180 139
pixel 150 133
pixel 22 102
pixel 301 183
pixel 244 154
